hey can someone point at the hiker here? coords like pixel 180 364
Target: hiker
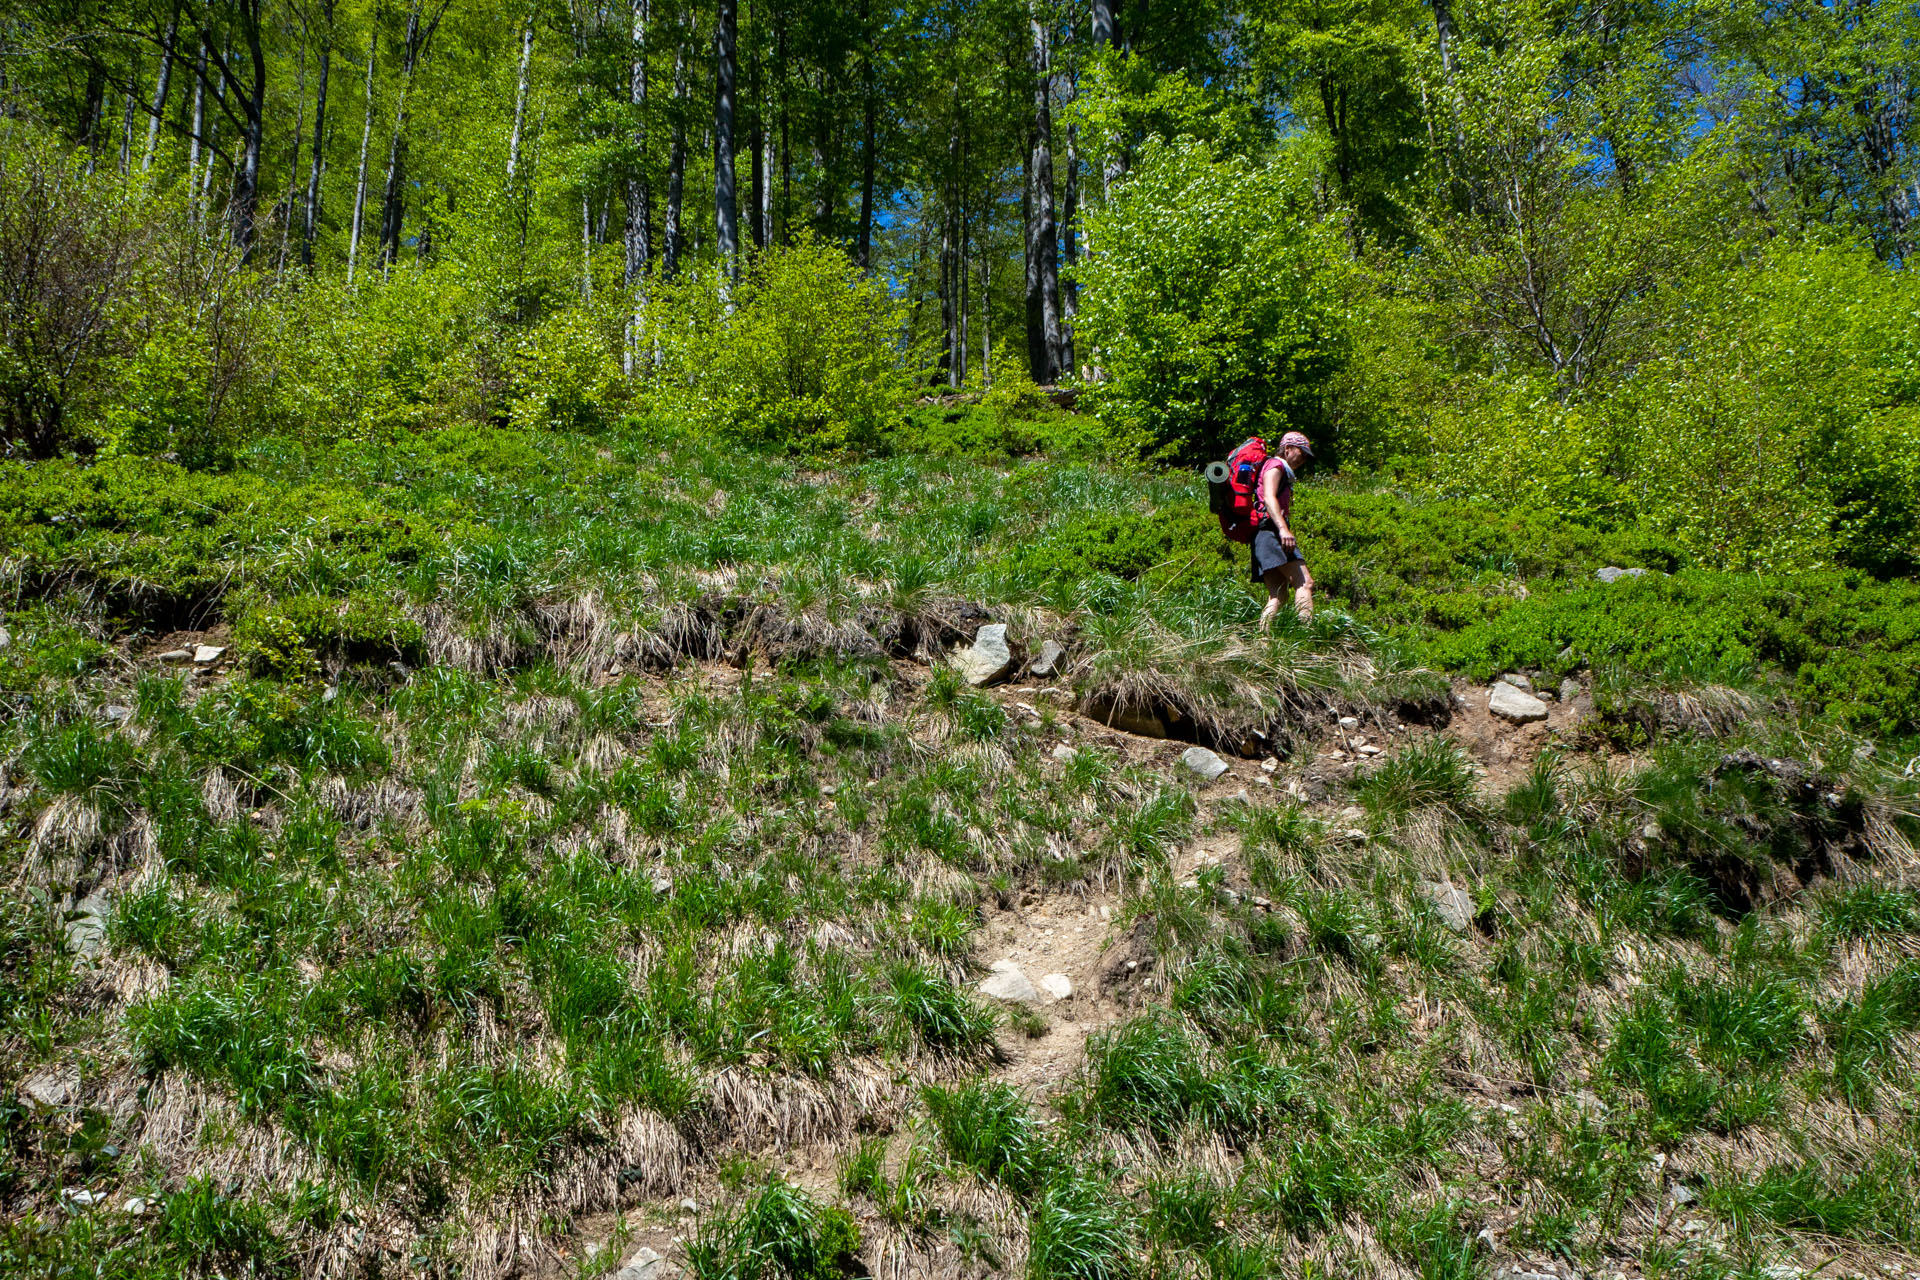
pixel 1277 561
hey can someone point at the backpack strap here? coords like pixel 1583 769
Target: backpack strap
pixel 1260 485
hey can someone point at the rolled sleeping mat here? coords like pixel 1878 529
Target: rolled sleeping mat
pixel 1219 494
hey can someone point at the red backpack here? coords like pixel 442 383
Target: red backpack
pixel 1233 489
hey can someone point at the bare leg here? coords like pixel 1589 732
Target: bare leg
pixel 1297 576
pixel 1275 581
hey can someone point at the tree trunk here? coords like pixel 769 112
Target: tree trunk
pixel 253 105
pixel 520 98
pixel 162 83
pixel 1043 247
pixel 726 212
pixel 676 165
pixel 293 164
pixel 1106 35
pixel 393 194
pixel 366 139
pixel 949 326
pixel 126 135
pixel 639 198
pixel 869 129
pixel 756 136
pixel 310 211
pixel 986 296
pixel 1070 250
pixel 197 134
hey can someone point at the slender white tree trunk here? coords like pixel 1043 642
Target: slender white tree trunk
pixel 360 183
pixel 639 198
pixel 161 84
pixel 520 98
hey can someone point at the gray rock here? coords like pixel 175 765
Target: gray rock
pixel 1451 903
pixel 987 660
pixel 87 925
pixel 1517 680
pixel 1681 1194
pixel 48 1089
pixel 1048 663
pixel 1569 690
pixel 1008 982
pixel 1203 762
pixel 1057 985
pixel 1349 722
pixel 175 655
pixel 6 637
pixel 1511 703
pixel 116 714
pixel 1065 754
pixel 645 1264
pixel 205 653
pixel 689 1205
pixel 1613 573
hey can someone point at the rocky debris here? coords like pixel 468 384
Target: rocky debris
pixel 175 655
pixel 1008 982
pixel 1130 957
pixel 1518 680
pixel 49 1088
pixel 689 1205
pixel 645 1264
pixel 1451 903
pixel 1512 703
pixel 1203 762
pixel 1048 663
pixel 1349 722
pixel 1269 765
pixel 135 1206
pixel 1368 749
pixel 1569 690
pixel 1680 1193
pixel 1057 985
pixel 1613 573
pixel 1065 754
pixel 116 714
pixel 987 660
pixel 81 1198
pixel 87 925
pixel 206 653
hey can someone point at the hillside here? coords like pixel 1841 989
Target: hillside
pixel 495 854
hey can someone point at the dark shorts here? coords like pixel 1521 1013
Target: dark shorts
pixel 1269 554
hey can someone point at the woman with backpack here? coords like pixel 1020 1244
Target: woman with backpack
pixel 1277 562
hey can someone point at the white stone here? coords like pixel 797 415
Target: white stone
pixel 205 653
pixel 1517 680
pixel 176 655
pixel 1681 1194
pixel 1613 573
pixel 1515 704
pixel 645 1264
pixel 662 884
pixel 82 1197
pixel 1057 985
pixel 1048 663
pixel 1368 749
pixel 114 713
pixel 1203 762
pixel 988 659
pixel 6 637
pixel 1569 690
pixel 1269 765
pixel 87 925
pixel 1008 982
pixel 135 1205
pixel 689 1205
pixel 47 1089
pixel 1451 903
pixel 1065 754
pixel 1349 722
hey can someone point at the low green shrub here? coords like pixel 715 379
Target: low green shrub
pixel 1847 645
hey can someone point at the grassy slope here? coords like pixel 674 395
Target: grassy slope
pixel 510 889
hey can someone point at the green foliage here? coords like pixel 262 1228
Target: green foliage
pixel 989 1128
pixel 801 357
pixel 1077 1232
pixel 1217 310
pixel 1844 640
pixel 781 1234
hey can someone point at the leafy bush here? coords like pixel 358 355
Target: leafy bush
pixel 1848 644
pixel 802 355
pixel 1214 309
